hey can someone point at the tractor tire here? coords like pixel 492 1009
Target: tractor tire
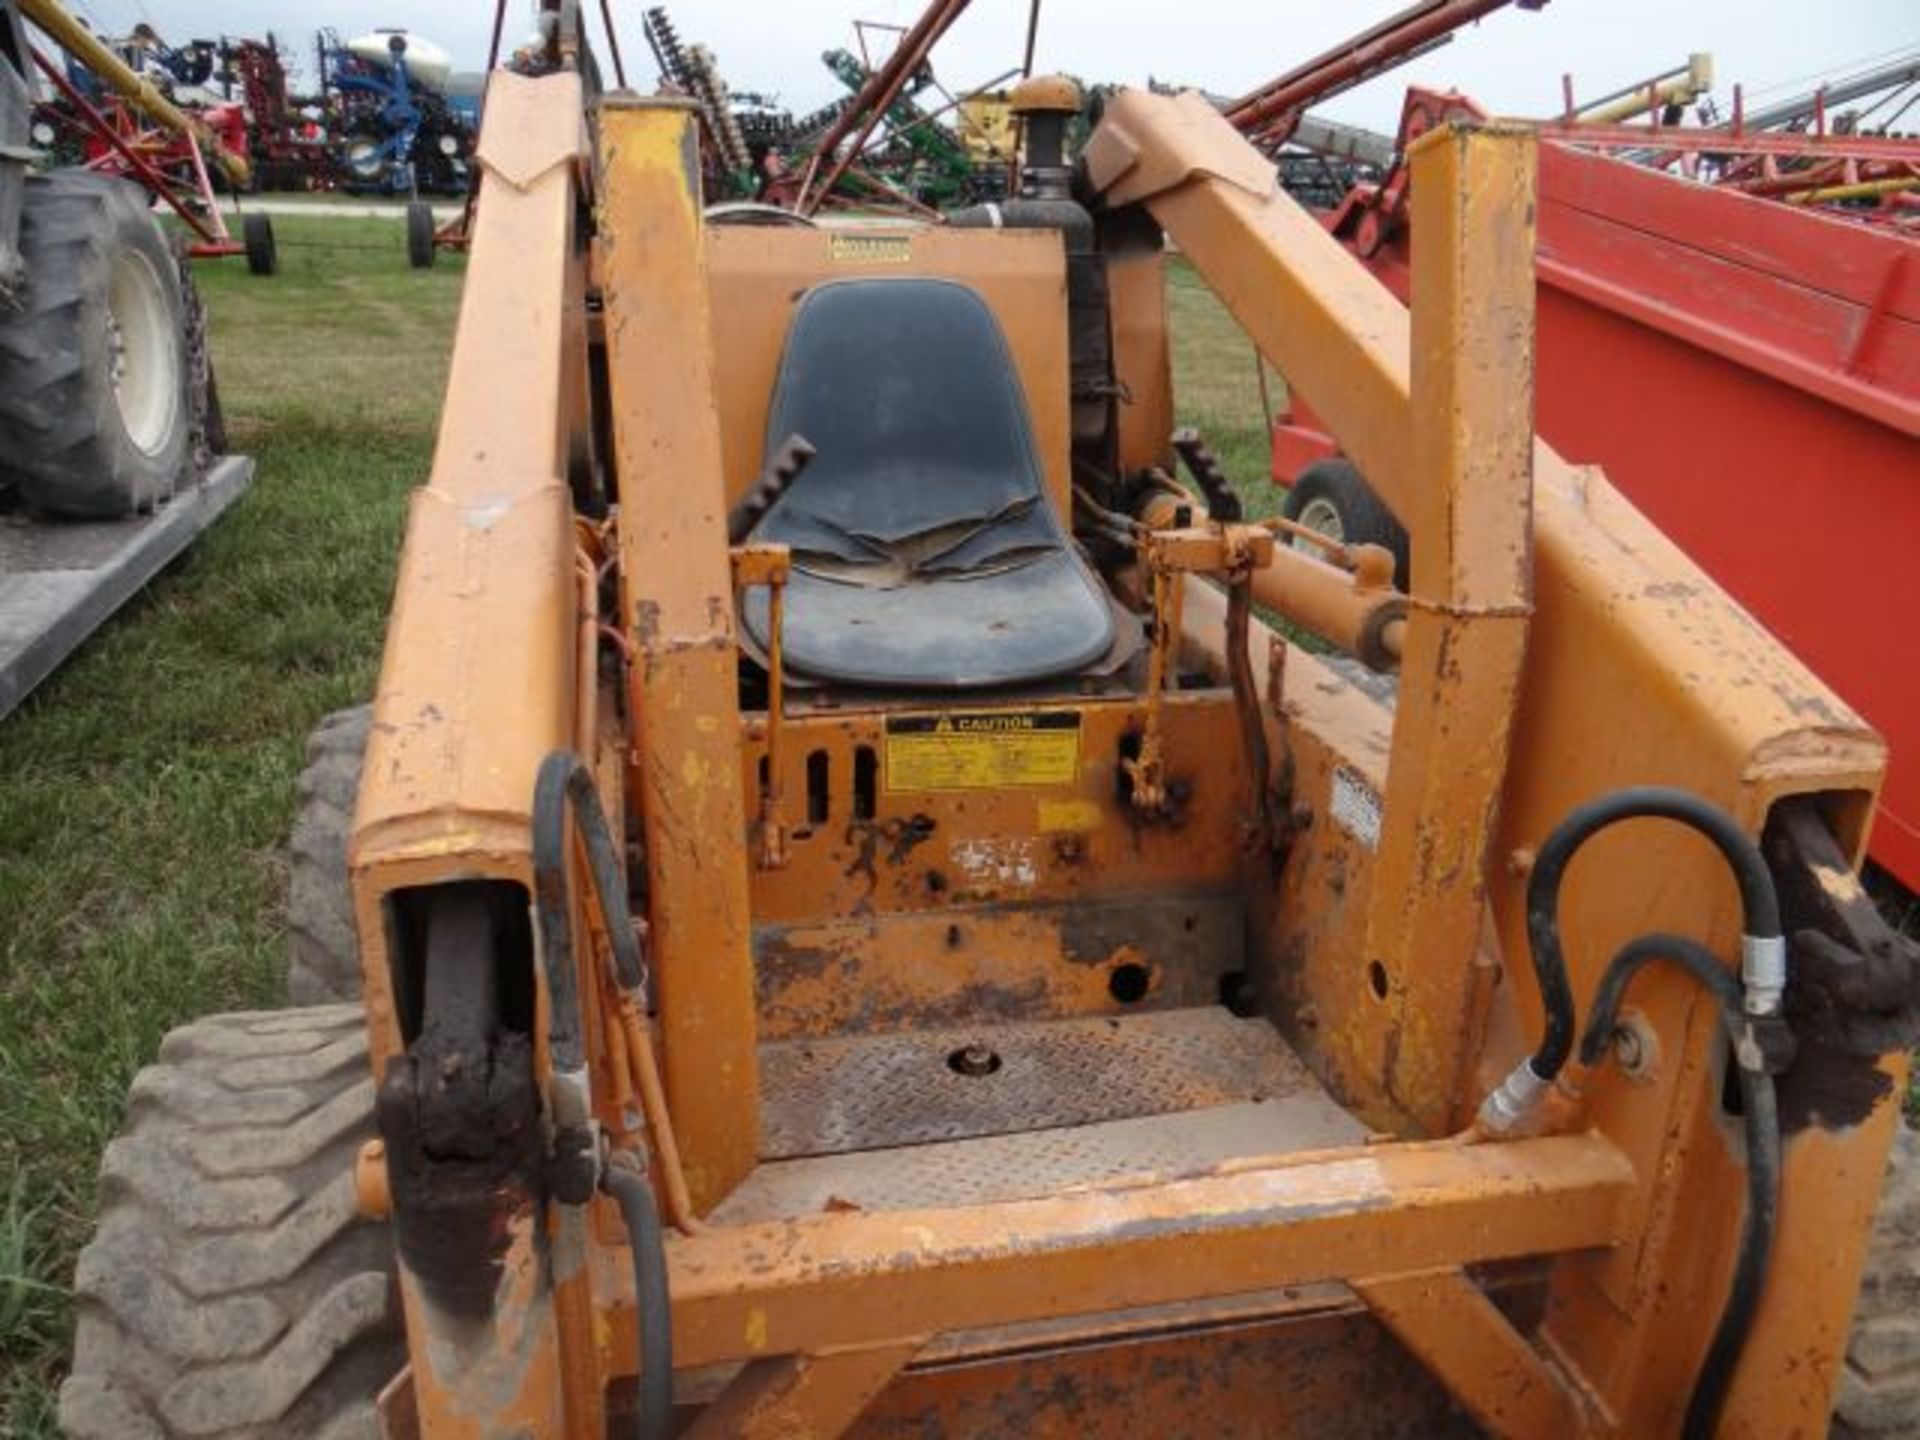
pixel 420 246
pixel 95 406
pixel 323 959
pixel 207 438
pixel 1880 1386
pixel 263 254
pixel 232 1287
pixel 1331 496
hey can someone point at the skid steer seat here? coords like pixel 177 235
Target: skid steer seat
pixel 925 552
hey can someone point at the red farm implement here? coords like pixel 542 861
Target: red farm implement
pixel 1747 371
pixel 134 131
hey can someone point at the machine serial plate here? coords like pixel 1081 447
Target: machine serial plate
pixel 991 750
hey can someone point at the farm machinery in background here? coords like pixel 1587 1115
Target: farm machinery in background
pixel 114 119
pixel 386 102
pixel 897 140
pixel 388 116
pixel 884 146
pixel 110 428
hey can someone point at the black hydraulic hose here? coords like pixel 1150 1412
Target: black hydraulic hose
pixel 647 1243
pixel 1757 897
pixel 1761 1115
pixel 565 786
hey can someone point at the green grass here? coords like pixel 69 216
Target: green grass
pixel 149 784
pixel 1216 380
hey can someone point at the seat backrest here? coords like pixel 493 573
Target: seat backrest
pixel 908 393
pixel 926 553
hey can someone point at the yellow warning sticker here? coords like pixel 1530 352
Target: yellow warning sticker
pixel 856 249
pixel 991 750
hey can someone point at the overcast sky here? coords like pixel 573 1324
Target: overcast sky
pixel 1511 61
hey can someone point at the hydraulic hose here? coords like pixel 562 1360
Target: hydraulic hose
pixel 565 784
pixel 646 1241
pixel 1763 947
pixel 1763 1151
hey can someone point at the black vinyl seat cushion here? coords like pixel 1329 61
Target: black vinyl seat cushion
pixel 925 551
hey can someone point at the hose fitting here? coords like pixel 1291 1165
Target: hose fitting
pixel 1512 1100
pixel 1763 972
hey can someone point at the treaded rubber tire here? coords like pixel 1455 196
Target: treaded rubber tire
pixel 420 248
pixel 323 960
pixel 232 1288
pixel 1364 519
pixel 1880 1386
pixel 64 440
pixel 263 253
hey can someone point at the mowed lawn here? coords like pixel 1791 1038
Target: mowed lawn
pixel 149 785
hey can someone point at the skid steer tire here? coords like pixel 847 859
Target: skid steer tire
pixel 1880 1386
pixel 95 377
pixel 323 960
pixel 232 1287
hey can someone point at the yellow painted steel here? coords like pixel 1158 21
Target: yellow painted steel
pixel 1472 597
pixel 677 604
pixel 1639 671
pixel 477 686
pixel 1373 934
pixel 857 1279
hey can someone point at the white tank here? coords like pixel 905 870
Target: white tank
pixel 427 63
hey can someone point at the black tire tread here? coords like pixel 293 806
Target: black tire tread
pixel 1368 520
pixel 1880 1386
pixel 232 1288
pixel 420 227
pixel 323 960
pixel 55 440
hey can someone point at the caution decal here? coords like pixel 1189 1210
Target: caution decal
pixel 991 750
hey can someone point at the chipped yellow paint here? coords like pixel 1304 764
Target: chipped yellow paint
pixel 756 1329
pixel 677 585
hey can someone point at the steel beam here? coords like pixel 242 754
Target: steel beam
pixel 1471 518
pixel 1470 1347
pixel 679 611
pixel 863 1279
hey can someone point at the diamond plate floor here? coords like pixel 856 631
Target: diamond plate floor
pixel 872 1092
pixel 886 1123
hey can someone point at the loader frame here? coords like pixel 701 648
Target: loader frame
pixel 1555 646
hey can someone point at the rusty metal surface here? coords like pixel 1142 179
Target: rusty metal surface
pixel 931 851
pixel 833 1095
pixel 1465 1340
pixel 783 1397
pixel 1034 1163
pixel 1317 1377
pixel 971 964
